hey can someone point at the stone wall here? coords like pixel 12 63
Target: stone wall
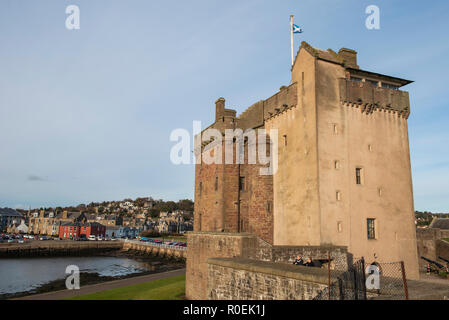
pixel 220 203
pixel 205 245
pixel 430 246
pixel 443 250
pixel 244 279
pixel 201 246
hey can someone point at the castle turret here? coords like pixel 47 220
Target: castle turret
pixel 219 109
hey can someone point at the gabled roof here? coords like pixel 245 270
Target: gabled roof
pixel 440 223
pixel 8 212
pixel 327 55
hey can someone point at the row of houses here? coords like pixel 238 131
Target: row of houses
pixel 75 224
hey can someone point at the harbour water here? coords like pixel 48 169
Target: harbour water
pixel 27 274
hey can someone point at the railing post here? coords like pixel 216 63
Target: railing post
pixel 363 278
pixel 404 280
pixel 355 288
pixel 340 289
pixel 329 274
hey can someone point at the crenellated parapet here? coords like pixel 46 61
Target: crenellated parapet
pixel 370 98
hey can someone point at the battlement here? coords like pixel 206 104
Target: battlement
pixel 371 97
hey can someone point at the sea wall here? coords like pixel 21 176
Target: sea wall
pixel 79 248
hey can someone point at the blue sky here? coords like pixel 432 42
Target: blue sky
pixel 85 115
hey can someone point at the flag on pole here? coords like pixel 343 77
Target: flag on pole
pixel 296 29
pixel 293 29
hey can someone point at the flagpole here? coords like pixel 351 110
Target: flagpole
pixel 291 35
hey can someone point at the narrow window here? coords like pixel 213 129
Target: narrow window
pixel 338 195
pixel 379 190
pixel 242 183
pixel 285 140
pixel 201 188
pixel 269 206
pixel 335 129
pixel 216 183
pixel 339 226
pixel 370 148
pixel 337 164
pixel 358 175
pixel 371 228
pixel 302 82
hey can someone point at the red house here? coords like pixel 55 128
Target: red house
pixel 71 230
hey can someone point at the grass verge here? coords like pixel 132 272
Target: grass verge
pixel 163 289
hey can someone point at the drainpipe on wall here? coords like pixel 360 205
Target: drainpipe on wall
pixel 238 201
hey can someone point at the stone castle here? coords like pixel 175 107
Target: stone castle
pixel 344 174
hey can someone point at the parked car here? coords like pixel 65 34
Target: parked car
pixel 92 238
pixel 21 240
pixel 10 240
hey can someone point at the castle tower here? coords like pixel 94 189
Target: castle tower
pixel 344 175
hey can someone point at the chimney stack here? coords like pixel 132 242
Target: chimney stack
pixel 350 57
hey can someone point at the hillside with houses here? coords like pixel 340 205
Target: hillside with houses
pixel 113 219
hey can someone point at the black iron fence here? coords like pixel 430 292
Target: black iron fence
pixel 366 280
pixel 348 285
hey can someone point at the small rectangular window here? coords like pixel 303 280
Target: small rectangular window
pixel 285 140
pixel 337 164
pixel 339 226
pixel 371 225
pixel 338 195
pixel 356 79
pixel 358 175
pixel 389 86
pixel 242 183
pixel 269 206
pixel 216 183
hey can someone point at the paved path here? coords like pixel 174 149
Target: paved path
pixel 64 294
pixel 429 287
